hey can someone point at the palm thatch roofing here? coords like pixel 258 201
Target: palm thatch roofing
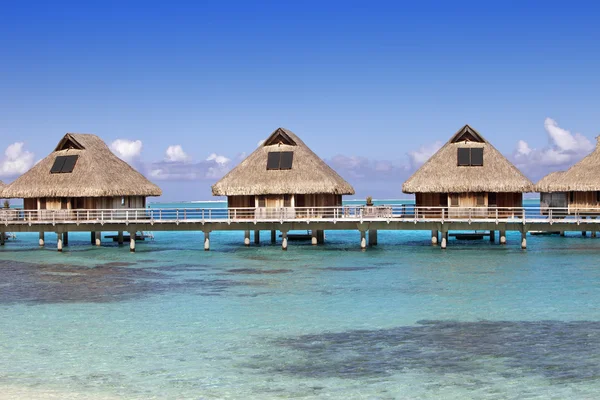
pixel 442 174
pixel 97 173
pixel 308 175
pixel 581 177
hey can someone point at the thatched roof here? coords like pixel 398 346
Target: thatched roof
pixel 581 177
pixel 97 173
pixel 308 175
pixel 442 174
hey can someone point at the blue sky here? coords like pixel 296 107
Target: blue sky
pixel 372 87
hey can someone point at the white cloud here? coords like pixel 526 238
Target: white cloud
pixel 566 141
pixel 16 160
pixel 175 153
pixel 127 150
pixel 221 160
pixel 179 168
pixel 523 148
pixel 420 156
pixel 563 150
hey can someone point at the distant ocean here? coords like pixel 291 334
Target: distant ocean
pixel 400 320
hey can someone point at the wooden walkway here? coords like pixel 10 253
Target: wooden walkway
pixel 438 220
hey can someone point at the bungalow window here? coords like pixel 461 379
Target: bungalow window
pixel 262 201
pixel 453 199
pixel 480 199
pixel 287 200
pixel 571 197
pixel 63 164
pixel 598 196
pixel 122 201
pixel 470 156
pixel 277 160
pixel 492 199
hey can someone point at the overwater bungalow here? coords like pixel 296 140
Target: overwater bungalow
pixel 81 173
pixel 282 176
pixel 576 189
pixel 468 172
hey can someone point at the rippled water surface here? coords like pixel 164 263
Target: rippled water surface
pixel 401 320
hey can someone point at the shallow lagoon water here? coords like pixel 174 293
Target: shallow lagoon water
pixel 400 320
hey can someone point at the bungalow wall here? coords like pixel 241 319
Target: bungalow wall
pixel 573 202
pixel 60 207
pixel 287 203
pixel 483 203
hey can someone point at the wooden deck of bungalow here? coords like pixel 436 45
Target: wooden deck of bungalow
pixel 365 220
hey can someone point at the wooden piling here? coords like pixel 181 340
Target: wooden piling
pixel 256 237
pixel 363 240
pixel 492 236
pixel 434 237
pixel 313 237
pixel 59 243
pixel 284 240
pixel 206 241
pixel 132 242
pixel 320 236
pixel 246 238
pixel 41 241
pixel 502 237
pixel 120 238
pixel 98 237
pixel 65 238
pixel 92 238
pixel 273 237
pixel 372 237
pixel 523 240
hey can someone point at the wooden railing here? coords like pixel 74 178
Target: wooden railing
pixel 306 214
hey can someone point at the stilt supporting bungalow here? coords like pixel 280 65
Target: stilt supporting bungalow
pixel 256 237
pixel 492 236
pixel 502 237
pixel 372 237
pixel 313 237
pixel 444 239
pixel 363 240
pixel 132 242
pixel 92 238
pixel 284 240
pixel 524 240
pixel 41 241
pixel 2 238
pixel 120 238
pixel 206 241
pixel 65 238
pixel 98 237
pixel 320 236
pixel 246 238
pixel 273 237
pixel 59 243
pixel 434 237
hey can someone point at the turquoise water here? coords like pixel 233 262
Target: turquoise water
pixel 400 320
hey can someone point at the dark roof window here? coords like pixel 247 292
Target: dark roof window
pixel 470 156
pixel 63 164
pixel 277 160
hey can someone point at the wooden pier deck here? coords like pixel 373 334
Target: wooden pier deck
pixel 438 220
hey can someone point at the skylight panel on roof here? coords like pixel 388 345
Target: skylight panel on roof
pixel 64 164
pixel 277 160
